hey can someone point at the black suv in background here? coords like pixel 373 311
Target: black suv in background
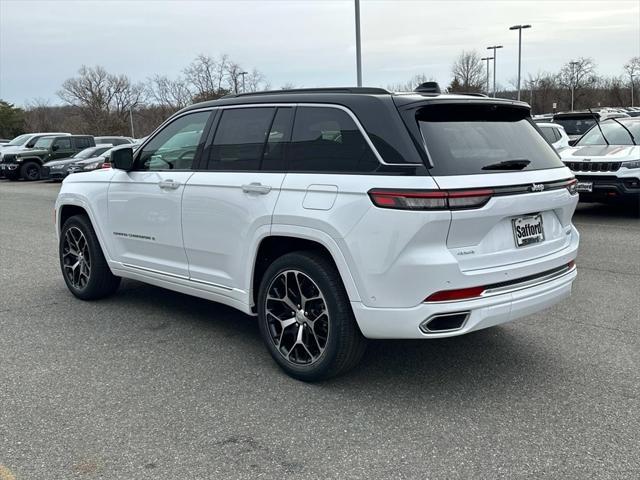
pixel 27 163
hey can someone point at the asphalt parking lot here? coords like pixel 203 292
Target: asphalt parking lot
pixel 155 384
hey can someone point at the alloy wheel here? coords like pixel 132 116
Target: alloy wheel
pixel 75 258
pixel 297 317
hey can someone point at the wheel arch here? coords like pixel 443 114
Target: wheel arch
pixel 279 243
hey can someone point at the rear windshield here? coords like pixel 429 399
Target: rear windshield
pixel 575 125
pixel 472 139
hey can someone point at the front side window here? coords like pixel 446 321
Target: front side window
pixel 466 139
pixel 614 133
pixel 82 142
pixel 240 139
pixel 175 146
pixel 43 142
pixel 327 140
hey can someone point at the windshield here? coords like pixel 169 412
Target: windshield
pixel 21 140
pixel 575 126
pixel 615 133
pixel 472 139
pixel 44 142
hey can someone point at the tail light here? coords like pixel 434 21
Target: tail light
pixel 430 199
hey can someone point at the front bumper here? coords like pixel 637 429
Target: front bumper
pixel 404 323
pixel 53 173
pixel 609 187
pixel 10 170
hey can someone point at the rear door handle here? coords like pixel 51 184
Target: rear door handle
pixel 256 187
pixel 168 184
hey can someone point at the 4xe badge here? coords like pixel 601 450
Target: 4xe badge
pixel 537 187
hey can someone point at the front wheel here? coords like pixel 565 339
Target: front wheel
pixel 30 171
pixel 305 318
pixel 83 265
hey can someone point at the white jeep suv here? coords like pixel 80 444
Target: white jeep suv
pixel 333 215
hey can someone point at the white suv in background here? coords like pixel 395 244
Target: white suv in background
pixel 555 135
pixel 333 215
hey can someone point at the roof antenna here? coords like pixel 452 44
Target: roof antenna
pixel 428 87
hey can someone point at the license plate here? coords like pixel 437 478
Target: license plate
pixel 584 187
pixel 528 230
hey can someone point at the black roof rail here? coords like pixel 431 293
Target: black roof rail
pixel 361 90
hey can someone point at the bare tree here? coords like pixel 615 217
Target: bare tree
pixel 206 77
pixel 167 93
pixel 469 71
pixel 255 81
pixel 578 76
pixel 102 99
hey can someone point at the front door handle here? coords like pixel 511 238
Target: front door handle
pixel 168 184
pixel 256 187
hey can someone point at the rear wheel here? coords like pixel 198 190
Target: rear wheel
pixel 306 319
pixel 83 265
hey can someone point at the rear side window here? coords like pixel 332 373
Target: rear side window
pixel 328 140
pixel 240 139
pixel 63 143
pixel 82 143
pixel 549 133
pixel 483 138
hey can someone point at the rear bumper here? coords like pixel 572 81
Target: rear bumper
pixel 404 323
pixel 609 187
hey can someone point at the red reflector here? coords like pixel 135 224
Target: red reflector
pixel 106 165
pixel 449 295
pixel 571 264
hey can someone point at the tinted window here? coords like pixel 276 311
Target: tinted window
pixel 175 146
pixel 240 139
pixel 471 139
pixel 549 134
pixel 63 143
pixel 273 158
pixel 575 125
pixel 83 142
pixel 328 140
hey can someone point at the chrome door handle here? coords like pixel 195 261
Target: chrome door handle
pixel 256 187
pixel 168 184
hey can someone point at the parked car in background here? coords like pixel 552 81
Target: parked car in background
pixel 606 162
pixel 27 140
pixel 102 160
pixel 114 140
pixel 577 123
pixel 26 163
pixel 333 215
pixel 543 118
pixel 555 135
pixel 4 141
pixel 58 169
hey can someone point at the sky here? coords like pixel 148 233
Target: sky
pixel 303 42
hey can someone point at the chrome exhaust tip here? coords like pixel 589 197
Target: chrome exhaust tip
pixel 444 322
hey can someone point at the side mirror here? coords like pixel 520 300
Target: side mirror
pixel 55 147
pixel 122 159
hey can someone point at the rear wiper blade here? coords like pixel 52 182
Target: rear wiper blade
pixel 508 165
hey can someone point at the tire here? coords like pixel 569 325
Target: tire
pixel 88 280
pixel 331 342
pixel 30 171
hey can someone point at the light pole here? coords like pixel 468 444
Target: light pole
pixel 243 74
pixel 573 64
pixel 631 75
pixel 131 121
pixel 519 28
pixel 495 50
pixel 487 59
pixel 358 46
